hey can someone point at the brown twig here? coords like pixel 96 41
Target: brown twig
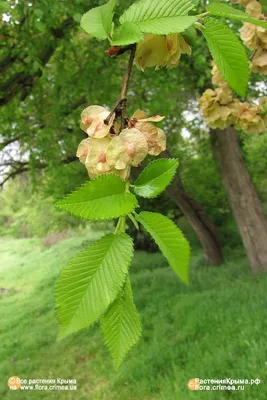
pixel 116 51
pixel 120 106
pixel 252 55
pixel 116 109
pixel 126 87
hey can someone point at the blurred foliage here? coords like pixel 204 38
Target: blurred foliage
pixel 26 214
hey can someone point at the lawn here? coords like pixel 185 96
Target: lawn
pixel 214 328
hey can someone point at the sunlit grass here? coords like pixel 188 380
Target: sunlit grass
pixel 214 328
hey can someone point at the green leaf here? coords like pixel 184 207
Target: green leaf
pixel 4 6
pixel 101 198
pixel 160 17
pixel 228 53
pixel 91 282
pixel 145 10
pixel 98 21
pixel 225 11
pixel 155 177
pixel 125 34
pixel 170 240
pixel 121 325
pixel 165 26
pixel 264 5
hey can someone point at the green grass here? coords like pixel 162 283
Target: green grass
pixel 214 328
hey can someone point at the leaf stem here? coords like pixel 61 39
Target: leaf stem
pixel 131 217
pixel 199 26
pixel 204 14
pixel 121 226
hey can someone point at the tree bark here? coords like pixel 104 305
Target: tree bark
pixel 199 220
pixel 243 198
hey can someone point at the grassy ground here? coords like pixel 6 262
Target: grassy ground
pixel 215 328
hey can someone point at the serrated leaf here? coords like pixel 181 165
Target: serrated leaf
pixel 125 34
pixel 98 21
pixel 228 53
pixel 121 325
pixel 165 26
pixel 160 17
pixel 154 179
pixel 225 11
pixel 101 198
pixel 170 240
pixel 91 282
pixel 144 10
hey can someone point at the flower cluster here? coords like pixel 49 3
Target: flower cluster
pixel 220 109
pixel 255 37
pixel 253 118
pixel 218 106
pixel 106 150
pixel 161 51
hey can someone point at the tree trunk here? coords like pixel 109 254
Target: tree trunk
pixel 244 201
pixel 199 220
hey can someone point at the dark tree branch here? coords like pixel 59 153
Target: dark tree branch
pixel 13 163
pixel 12 174
pixel 9 141
pixel 76 104
pixel 23 166
pixel 6 62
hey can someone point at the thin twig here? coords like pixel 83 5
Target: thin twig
pixel 116 51
pixel 120 106
pixel 252 55
pixel 116 108
pixel 126 87
pixel 128 73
